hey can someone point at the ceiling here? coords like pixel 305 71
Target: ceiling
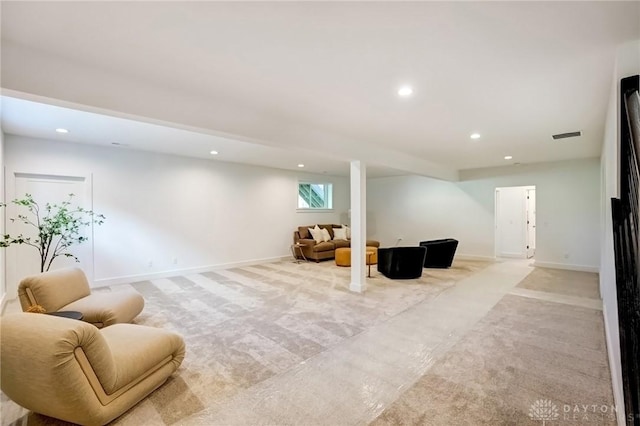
pixel 303 77
pixel 40 120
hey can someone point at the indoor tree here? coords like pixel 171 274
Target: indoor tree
pixel 57 228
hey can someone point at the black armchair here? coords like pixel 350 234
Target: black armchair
pixel 401 262
pixel 439 252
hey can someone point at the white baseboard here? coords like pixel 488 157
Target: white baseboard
pixel 513 255
pixel 567 266
pixel 172 273
pixel 616 374
pixel 462 256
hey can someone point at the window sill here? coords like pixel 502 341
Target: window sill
pixel 315 210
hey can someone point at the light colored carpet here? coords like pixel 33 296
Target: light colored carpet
pixel 243 326
pixel 558 281
pixel 525 350
pixel 288 344
pixel 542 342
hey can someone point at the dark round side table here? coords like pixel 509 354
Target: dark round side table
pixel 67 314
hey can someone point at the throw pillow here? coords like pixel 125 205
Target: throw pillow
pixel 304 232
pixel 348 231
pixel 339 233
pixel 316 233
pixel 325 235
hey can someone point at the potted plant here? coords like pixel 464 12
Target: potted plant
pixel 58 228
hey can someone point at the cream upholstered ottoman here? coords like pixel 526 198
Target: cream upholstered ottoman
pixel 343 256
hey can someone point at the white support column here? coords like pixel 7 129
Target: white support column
pixel 358 225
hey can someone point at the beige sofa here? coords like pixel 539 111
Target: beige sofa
pixel 324 250
pixel 73 371
pixel 68 290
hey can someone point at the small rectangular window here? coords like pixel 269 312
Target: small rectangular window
pixel 315 196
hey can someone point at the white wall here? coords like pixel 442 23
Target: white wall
pixel 627 64
pixel 160 207
pixel 420 208
pixel 3 284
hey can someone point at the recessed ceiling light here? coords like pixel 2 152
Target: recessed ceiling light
pixel 475 136
pixel 61 130
pixel 508 157
pixel 213 152
pixel 301 165
pixel 405 91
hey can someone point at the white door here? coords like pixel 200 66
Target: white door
pixel 531 222
pixel 23 260
pixel 511 221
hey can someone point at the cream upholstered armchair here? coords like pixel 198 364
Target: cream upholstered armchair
pixel 73 371
pixel 68 290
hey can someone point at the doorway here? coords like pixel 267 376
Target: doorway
pixel 23 260
pixel 515 222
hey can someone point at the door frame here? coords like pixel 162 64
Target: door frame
pixel 528 207
pixel 496 235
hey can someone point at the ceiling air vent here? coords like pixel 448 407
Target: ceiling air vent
pixel 566 135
